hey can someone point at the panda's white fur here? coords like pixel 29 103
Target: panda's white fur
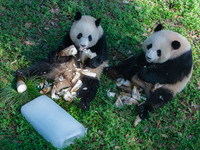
pixel 162 40
pixel 86 26
pixel 180 85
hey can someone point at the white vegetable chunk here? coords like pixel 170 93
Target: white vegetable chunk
pixel 21 86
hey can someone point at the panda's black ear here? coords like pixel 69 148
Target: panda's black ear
pixel 176 45
pixel 77 16
pixel 97 22
pixel 159 27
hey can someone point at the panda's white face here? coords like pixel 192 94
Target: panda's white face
pixel 84 33
pixel 164 45
pixel 156 50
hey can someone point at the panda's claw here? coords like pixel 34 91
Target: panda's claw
pixel 20 73
pixel 143 112
pixel 112 73
pixel 107 68
pixel 84 105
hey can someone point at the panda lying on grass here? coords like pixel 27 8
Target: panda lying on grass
pixel 85 33
pixel 162 70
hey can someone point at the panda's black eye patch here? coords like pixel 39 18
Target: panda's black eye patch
pixel 90 38
pixel 149 46
pixel 176 44
pixel 159 53
pixel 79 35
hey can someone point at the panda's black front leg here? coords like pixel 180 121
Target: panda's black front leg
pixel 144 110
pixel 40 68
pixel 127 68
pixel 113 72
pixel 88 91
pixel 157 99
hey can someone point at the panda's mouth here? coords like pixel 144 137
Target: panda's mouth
pixel 81 48
pixel 148 59
pixel 82 44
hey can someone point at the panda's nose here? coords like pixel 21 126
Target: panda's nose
pixel 148 58
pixel 83 45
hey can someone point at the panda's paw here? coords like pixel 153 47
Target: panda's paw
pixel 143 112
pixel 20 73
pixel 52 57
pixel 143 73
pixel 95 62
pixel 85 105
pixel 106 69
pixel 112 73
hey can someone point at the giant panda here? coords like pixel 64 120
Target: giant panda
pixel 85 33
pixel 163 68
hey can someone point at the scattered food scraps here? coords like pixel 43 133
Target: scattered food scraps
pixel 68 96
pixel 76 77
pixel 127 94
pixel 77 86
pixel 60 87
pixel 123 82
pixel 135 93
pixel 111 94
pixel 118 102
pixel 87 53
pixel 53 93
pixel 61 78
pixel 88 73
pixel 136 121
pixel 45 90
pixel 71 50
pixel 85 88
pixel 129 100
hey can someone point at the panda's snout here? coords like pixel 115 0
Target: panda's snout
pixel 83 45
pixel 148 58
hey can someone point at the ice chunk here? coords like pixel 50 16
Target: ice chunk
pixel 52 121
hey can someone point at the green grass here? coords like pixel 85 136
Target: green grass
pixel 30 29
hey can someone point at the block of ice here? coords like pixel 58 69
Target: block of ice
pixel 52 122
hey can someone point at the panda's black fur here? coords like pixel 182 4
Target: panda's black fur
pixel 52 63
pixel 169 72
pixel 172 74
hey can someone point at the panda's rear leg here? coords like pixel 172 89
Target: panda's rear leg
pixel 88 91
pixel 37 69
pixel 144 85
pixel 157 99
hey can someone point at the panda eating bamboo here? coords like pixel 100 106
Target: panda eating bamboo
pixel 163 68
pixel 79 70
